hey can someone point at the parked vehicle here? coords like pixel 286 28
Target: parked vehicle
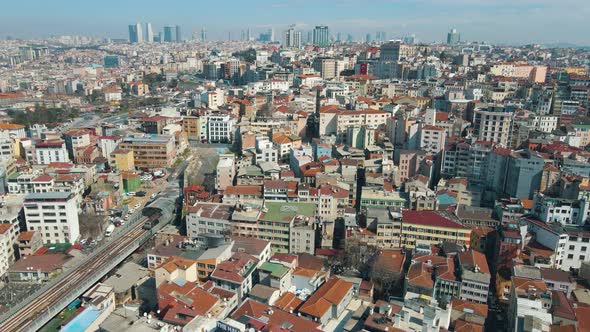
pixel 109 230
pixel 131 193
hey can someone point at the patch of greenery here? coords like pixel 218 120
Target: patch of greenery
pixel 42 115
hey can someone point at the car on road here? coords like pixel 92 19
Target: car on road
pixel 131 193
pixel 153 195
pixel 140 193
pixel 117 224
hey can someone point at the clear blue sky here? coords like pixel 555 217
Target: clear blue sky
pixel 512 21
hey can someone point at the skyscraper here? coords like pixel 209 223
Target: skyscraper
pixel 139 33
pixel 135 33
pixel 292 38
pixel 248 34
pixel 132 34
pixel 321 36
pixel 149 33
pixel 203 34
pixel 453 37
pixel 368 38
pixel 168 34
pixel 178 34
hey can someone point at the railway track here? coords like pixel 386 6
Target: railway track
pixel 26 316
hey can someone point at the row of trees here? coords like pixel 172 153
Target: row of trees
pixel 42 114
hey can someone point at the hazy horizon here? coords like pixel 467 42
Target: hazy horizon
pixel 494 21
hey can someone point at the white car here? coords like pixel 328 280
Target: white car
pixel 136 206
pixel 131 193
pixel 153 196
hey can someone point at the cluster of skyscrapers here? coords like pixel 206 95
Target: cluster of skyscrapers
pixel 138 35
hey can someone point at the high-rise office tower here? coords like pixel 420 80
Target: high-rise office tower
pixel 135 33
pixel 292 38
pixel 349 38
pixel 132 34
pixel 203 34
pixel 453 37
pixel 272 34
pixel 149 33
pixel 139 33
pixel 339 37
pixel 168 34
pixel 248 34
pixel 321 36
pixel 368 38
pixel 178 34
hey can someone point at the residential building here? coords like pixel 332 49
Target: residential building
pixel 475 276
pixel 328 302
pixel 493 124
pixel 150 151
pixel 54 215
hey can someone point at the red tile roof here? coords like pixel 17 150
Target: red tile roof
pixel 267 319
pixel 429 218
pixel 330 293
pixel 472 258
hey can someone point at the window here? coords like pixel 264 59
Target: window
pixel 570 256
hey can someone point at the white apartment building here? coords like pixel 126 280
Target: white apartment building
pixel 30 183
pixel 51 151
pixel 571 247
pixel 54 215
pixel 544 123
pixel 107 145
pixel 220 128
pixel 265 150
pixel 8 234
pixel 529 300
pixel 6 148
pixel 432 139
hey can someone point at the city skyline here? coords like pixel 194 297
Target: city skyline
pixel 523 22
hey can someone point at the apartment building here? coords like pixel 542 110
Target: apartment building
pixel 54 215
pixel 8 239
pixel 48 152
pixel 475 276
pixel 220 128
pixel 150 151
pixel 225 172
pixel 432 139
pixel 493 124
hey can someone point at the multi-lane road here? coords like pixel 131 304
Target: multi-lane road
pixel 32 312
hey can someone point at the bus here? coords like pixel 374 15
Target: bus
pixel 110 230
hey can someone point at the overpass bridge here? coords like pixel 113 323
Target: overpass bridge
pixel 39 308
